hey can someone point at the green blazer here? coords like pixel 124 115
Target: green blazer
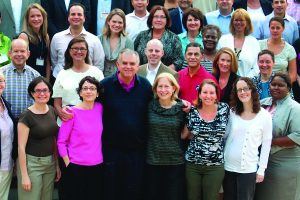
pixel 162 68
pixel 7 25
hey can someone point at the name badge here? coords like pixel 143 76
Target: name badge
pixel 3 58
pixel 39 62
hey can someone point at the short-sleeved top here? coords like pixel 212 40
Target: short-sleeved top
pixel 207 146
pixel 42 131
pixel 4 48
pixel 282 59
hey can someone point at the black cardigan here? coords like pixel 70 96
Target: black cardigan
pixel 14 151
pixel 265 5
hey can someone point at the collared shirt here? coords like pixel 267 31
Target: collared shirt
pixel 257 17
pixel 67 3
pixel 60 43
pixel 16 87
pixel 7 136
pixel 151 74
pixel 16 6
pixel 188 84
pixel 126 87
pixel 215 18
pixel 181 15
pixel 103 9
pixel 290 33
pixel 135 24
pixel 184 39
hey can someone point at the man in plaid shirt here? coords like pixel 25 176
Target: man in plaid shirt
pixel 18 75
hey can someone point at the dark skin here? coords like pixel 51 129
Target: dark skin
pixel 279 89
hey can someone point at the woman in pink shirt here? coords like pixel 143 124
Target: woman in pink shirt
pixel 79 144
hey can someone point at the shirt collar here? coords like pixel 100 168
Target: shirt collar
pixel 15 69
pixel 133 14
pixel 155 70
pixel 286 16
pixel 220 15
pixel 83 32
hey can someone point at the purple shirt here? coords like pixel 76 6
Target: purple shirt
pixel 80 137
pixel 126 87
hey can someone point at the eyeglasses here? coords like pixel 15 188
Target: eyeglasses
pixel 40 91
pixel 245 89
pixel 2 81
pixel 76 49
pixel 85 89
pixel 159 17
pixel 239 20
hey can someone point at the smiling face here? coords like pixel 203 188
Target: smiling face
pixel 210 39
pixel 159 21
pixel 265 64
pixel 128 66
pixel 19 53
pixel 41 94
pixel 239 25
pixel 193 57
pixel 154 53
pixel 224 63
pixel 88 92
pixel 76 17
pixel 78 51
pixel 278 88
pixel 193 24
pixel 164 89
pixel 208 95
pixel 243 91
pixel 116 24
pixel 35 19
pixel 276 29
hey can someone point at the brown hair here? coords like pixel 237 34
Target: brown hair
pixel 235 103
pixel 194 12
pixel 151 16
pixel 116 11
pixel 234 63
pixel 198 102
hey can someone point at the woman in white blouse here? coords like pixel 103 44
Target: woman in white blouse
pixel 249 127
pixel 245 46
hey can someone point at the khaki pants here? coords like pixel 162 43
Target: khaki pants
pixel 5 180
pixel 41 171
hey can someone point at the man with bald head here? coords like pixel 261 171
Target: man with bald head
pixel 154 52
pixel 18 75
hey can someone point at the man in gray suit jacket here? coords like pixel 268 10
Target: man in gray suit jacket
pixel 13 16
pixel 154 52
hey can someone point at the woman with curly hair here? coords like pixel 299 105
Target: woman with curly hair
pixel 249 127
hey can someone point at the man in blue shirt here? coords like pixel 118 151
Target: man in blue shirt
pixel 222 16
pixel 290 33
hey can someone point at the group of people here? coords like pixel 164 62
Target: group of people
pixel 172 103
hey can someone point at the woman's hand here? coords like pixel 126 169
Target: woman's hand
pixel 26 183
pixel 187 105
pixel 65 114
pixel 259 178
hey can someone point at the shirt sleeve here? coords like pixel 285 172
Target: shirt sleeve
pixel 266 143
pixel 57 87
pixel 64 134
pixel 98 57
pixel 293 124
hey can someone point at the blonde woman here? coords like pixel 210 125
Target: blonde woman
pixel 114 39
pixel 35 28
pixel 165 158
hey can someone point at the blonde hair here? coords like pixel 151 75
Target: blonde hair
pixel 116 11
pixel 32 36
pixel 234 62
pixel 241 14
pixel 172 81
